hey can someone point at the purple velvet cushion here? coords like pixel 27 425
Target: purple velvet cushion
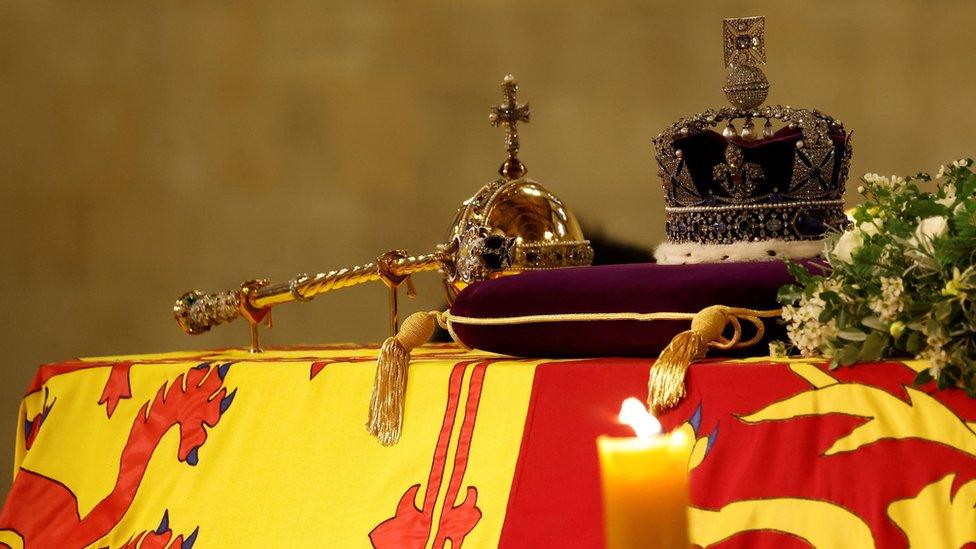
pixel 641 288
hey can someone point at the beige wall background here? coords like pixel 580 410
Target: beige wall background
pixel 147 148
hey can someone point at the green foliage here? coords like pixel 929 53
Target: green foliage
pixel 902 280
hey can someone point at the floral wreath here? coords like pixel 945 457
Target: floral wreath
pixel 901 280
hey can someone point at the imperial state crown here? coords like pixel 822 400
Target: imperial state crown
pixel 751 194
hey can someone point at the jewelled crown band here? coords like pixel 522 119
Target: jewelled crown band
pixel 748 185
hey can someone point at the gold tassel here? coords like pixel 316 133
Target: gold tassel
pixel 390 386
pixel 666 384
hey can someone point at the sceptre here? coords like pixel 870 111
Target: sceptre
pixel 510 225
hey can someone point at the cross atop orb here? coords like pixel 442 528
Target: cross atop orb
pixel 508 115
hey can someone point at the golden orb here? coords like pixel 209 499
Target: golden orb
pixel 544 232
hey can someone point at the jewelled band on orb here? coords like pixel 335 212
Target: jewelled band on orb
pixel 553 255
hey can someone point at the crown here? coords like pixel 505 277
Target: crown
pixel 768 192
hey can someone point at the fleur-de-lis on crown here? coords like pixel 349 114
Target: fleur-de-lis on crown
pixel 738 177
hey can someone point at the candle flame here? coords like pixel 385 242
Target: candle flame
pixel 634 413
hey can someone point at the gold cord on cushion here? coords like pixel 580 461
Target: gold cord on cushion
pixel 666 384
pixel 562 317
pixel 387 402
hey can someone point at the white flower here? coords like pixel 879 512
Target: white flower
pixel 804 328
pixel 869 229
pixel 950 198
pixel 851 241
pixel 961 163
pixel 890 304
pixel 928 230
pixel 846 245
pixel 877 180
pixel 932 227
pixel 936 354
pixel 938 358
pixel 935 341
pixel 833 285
pixel 777 349
pixel 893 183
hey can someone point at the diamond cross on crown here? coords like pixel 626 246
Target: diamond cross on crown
pixel 745 41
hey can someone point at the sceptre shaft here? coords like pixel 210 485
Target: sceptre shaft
pixel 479 253
pixel 196 312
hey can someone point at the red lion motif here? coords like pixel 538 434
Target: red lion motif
pixel 193 401
pixel 410 527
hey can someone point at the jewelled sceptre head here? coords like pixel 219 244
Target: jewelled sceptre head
pixel 511 225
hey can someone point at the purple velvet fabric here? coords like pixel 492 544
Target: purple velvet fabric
pixel 703 151
pixel 642 288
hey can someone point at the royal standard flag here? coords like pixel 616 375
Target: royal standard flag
pixel 230 449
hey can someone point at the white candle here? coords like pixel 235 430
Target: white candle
pixel 645 486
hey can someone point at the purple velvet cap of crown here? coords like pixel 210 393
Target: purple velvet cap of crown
pixel 723 190
pixel 641 288
pixel 775 157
